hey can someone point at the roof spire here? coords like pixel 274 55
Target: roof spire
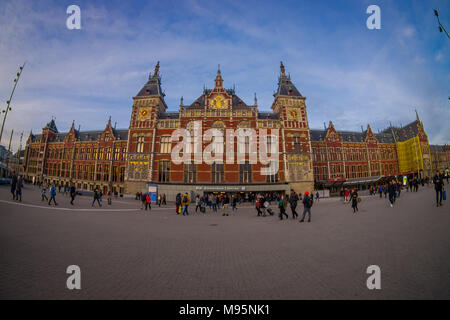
pixel 156 69
pixel 325 126
pixel 181 102
pixel 219 80
pixel 256 101
pixel 417 115
pixel 282 68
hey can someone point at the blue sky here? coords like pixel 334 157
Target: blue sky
pixel 348 73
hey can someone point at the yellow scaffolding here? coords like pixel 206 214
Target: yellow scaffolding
pixel 409 155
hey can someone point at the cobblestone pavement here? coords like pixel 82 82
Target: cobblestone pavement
pixel 127 253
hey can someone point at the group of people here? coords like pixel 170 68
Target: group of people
pixel 215 203
pixel 262 205
pixel 16 187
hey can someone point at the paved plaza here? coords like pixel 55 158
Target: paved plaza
pixel 127 253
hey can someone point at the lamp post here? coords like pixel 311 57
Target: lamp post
pixel 8 108
pixel 441 27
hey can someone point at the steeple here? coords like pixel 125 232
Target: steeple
pixel 219 80
pixel 156 69
pixel 285 85
pixel 417 115
pixel 153 87
pixel 256 101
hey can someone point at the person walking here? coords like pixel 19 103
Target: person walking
pixel 438 187
pixel 346 195
pixel 97 197
pixel 178 203
pixel 214 203
pixel 354 200
pixel 282 204
pixel 44 194
pixel 19 186
pixel 380 190
pixel 148 202
pixel 307 204
pixel 317 196
pixel 391 190
pixel 52 195
pixel 73 193
pixel 293 199
pixel 234 202
pixel 13 185
pixel 109 197
pixel 197 203
pixel 225 204
pixel 258 207
pixel 164 199
pixel 185 203
pixel 159 200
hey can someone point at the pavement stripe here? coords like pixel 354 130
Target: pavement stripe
pixel 65 209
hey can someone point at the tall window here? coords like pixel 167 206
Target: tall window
pixel 245 172
pixel 217 172
pixel 101 154
pixel 140 144
pixel 189 173
pixel 116 154
pixel 297 144
pixel 164 171
pixel 165 144
pixel 108 154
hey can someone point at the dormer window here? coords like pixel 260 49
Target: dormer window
pixel 147 92
pixel 291 92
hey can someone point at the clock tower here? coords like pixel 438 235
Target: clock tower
pixel 148 105
pixel 290 105
pixel 218 98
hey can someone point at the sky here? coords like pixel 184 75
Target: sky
pixel 349 74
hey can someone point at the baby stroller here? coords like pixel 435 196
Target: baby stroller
pixel 268 209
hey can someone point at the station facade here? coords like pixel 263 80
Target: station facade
pixel 134 159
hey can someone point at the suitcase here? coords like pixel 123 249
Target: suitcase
pixel 444 195
pixel 202 209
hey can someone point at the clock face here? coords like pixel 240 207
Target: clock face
pixel 293 114
pixel 218 102
pixel 144 113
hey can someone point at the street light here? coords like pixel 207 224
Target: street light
pixel 8 107
pixel 441 27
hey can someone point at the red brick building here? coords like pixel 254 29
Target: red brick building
pixel 133 159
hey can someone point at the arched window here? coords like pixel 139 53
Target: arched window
pixel 140 144
pixel 297 144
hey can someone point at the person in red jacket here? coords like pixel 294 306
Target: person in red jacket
pixel 148 202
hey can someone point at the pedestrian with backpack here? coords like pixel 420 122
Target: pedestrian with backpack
pixel 307 204
pixel 185 203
